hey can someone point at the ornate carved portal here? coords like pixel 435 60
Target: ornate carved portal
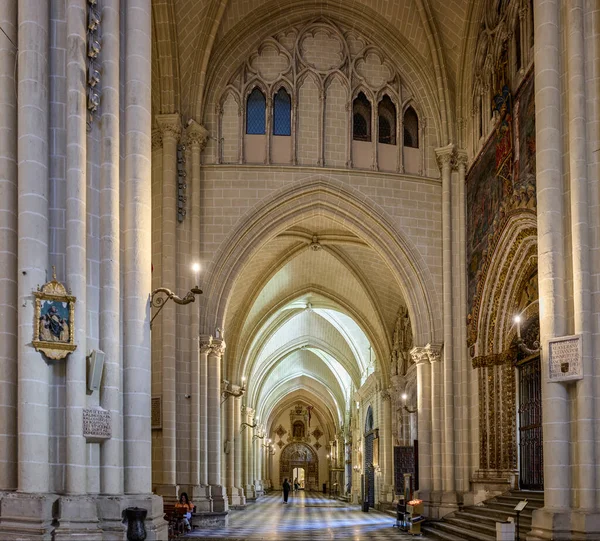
pixel 300 455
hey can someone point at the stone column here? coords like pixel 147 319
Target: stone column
pixel 424 391
pixel 213 419
pixel 32 151
pixel 111 476
pixel 551 255
pixel 170 126
pixel 230 449
pixel 197 137
pixel 444 157
pixel 201 493
pixel 9 242
pixel 76 231
pixel 387 446
pixel 137 450
pixel 436 422
pixel 585 472
pixel 237 446
pixel 249 457
pixel 466 369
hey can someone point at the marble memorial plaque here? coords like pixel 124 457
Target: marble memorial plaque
pixel 97 425
pixel 564 359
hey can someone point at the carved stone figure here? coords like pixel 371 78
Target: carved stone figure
pixel 402 343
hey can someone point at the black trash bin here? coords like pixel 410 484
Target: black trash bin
pixel 324 488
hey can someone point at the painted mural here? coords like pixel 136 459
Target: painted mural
pixel 500 182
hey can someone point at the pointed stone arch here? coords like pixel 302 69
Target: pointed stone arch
pixel 352 210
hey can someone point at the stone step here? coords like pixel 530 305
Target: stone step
pixel 478 523
pixel 486 515
pixel 434 528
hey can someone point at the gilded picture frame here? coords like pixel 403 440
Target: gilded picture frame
pixel 54 320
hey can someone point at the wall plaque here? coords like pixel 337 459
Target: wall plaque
pixel 97 425
pixel 564 359
pixel 156 413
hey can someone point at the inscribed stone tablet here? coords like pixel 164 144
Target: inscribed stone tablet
pixel 564 358
pixel 97 425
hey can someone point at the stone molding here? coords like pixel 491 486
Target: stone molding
pixel 157 139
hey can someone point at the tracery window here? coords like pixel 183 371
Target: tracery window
pixel 361 118
pixel 282 113
pixel 411 128
pixel 387 121
pixel 255 113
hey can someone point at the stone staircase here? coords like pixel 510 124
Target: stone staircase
pixel 478 523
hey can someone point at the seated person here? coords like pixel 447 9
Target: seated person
pixel 184 508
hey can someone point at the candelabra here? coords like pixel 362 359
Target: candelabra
pixel 234 390
pixel 405 407
pixel 523 348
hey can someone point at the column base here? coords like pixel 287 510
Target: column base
pixel 564 525
pixel 220 503
pixel 27 516
pixel 439 503
pixel 237 499
pixel 77 519
pixel 250 493
pixel 200 496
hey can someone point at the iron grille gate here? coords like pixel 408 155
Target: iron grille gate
pixel 369 470
pixel 530 425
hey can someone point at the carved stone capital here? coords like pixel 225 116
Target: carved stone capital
pixel 197 135
pixel 445 156
pixel 419 355
pixel 434 352
pixel 217 347
pixel 156 140
pixel 385 395
pixel 461 159
pixel 170 125
pixel 204 344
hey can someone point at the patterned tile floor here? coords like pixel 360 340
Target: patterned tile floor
pixel 307 516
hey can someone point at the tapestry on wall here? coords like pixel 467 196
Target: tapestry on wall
pixel 501 181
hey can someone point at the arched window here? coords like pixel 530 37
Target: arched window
pixel 361 118
pixel 255 113
pixel 411 128
pixel 387 121
pixel 282 113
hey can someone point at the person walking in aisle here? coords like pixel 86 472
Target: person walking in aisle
pixel 286 490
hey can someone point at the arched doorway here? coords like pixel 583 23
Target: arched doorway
pixel 300 456
pixel 299 477
pixel 369 470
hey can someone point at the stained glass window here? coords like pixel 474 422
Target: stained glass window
pixel 255 113
pixel 282 113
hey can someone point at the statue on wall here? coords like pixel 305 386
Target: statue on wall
pixel 402 343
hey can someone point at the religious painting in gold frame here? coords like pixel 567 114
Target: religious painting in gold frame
pixel 54 320
pixel 376 451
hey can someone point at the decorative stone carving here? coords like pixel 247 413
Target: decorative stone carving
pixel 197 135
pixel 434 351
pixel 156 140
pixel 97 425
pixel 170 125
pixel 419 355
pixel 402 344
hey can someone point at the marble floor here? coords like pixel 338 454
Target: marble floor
pixel 307 516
